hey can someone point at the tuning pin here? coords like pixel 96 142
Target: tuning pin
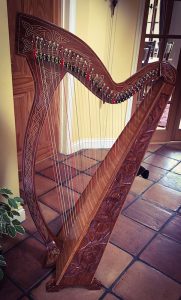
pixel 57 45
pixel 65 52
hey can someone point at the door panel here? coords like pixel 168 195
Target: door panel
pixel 23 85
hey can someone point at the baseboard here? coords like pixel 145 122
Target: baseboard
pixel 90 144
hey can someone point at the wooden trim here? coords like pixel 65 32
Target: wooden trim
pixel 146 10
pixel 143 34
pixel 163 36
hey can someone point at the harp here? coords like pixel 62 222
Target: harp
pixel 51 52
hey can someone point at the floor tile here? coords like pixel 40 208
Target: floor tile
pixel 97 154
pixel 60 199
pixel 142 282
pixel 44 164
pixel 113 262
pixel 8 291
pixel 59 174
pixel 40 293
pixel 110 297
pixel 163 196
pixel 59 157
pixel 24 263
pixel 129 199
pixel 147 214
pixel 165 255
pixel 130 236
pixel 54 226
pixel 9 243
pixel 78 183
pixel 43 185
pixel 147 154
pixel 177 169
pixel 140 185
pixel 80 162
pixel 173 228
pixel 172 180
pixel 161 161
pixel 47 213
pixel 155 173
pixel 91 171
pixel 154 147
pixel 170 152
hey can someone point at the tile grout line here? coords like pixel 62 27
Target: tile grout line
pixel 157 231
pixel 107 292
pixel 138 259
pixel 40 280
pixel 16 284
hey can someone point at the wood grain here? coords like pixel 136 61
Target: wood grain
pixel 23 84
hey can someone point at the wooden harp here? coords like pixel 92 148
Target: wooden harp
pixel 80 243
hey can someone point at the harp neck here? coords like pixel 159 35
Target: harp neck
pixel 60 52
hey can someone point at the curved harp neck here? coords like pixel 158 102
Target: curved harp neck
pixel 42 41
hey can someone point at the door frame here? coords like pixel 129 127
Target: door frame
pixel 171 131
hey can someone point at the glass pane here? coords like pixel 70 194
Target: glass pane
pixel 153 17
pixel 171 50
pixel 151 49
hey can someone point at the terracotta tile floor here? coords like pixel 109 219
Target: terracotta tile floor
pixel 143 258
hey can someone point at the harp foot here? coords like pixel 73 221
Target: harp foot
pixel 52 254
pixel 51 285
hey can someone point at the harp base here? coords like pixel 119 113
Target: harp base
pixel 52 254
pixel 51 285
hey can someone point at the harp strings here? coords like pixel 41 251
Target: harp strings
pixel 103 133
pixel 110 132
pixel 73 157
pixel 68 175
pixel 74 154
pixel 57 172
pixel 49 117
pixel 79 180
pixel 61 199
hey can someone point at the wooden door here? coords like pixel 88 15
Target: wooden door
pixel 176 118
pixel 23 86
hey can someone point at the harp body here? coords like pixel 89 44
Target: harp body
pixel 92 219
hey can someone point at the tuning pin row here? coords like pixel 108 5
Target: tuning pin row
pixel 81 68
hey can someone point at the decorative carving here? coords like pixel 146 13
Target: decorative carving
pixel 42 32
pixel 52 254
pixel 168 72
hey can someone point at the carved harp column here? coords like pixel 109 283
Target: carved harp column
pixel 51 52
